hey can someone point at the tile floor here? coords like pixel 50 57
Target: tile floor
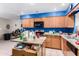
pixel 53 52
pixel 6 49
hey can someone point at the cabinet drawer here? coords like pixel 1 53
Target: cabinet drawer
pixel 28 54
pixel 16 52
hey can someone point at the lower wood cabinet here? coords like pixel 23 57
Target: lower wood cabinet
pixel 78 53
pixel 21 52
pixel 56 42
pixel 67 51
pixel 64 46
pixel 48 45
pixel 53 42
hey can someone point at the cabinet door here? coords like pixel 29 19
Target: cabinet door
pixel 16 52
pixel 26 23
pixel 59 22
pixel 56 43
pixel 69 52
pixel 31 21
pixel 46 22
pixel 69 21
pixel 51 22
pixel 48 45
pixel 64 47
pixel 48 39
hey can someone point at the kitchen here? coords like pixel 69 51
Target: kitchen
pixel 55 28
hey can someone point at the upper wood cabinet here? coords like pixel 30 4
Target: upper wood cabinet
pixel 69 21
pixel 38 19
pixel 31 22
pixel 54 22
pixel 46 23
pixel 28 22
pixel 59 22
pixel 51 22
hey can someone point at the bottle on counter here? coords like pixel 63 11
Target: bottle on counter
pixel 31 35
pixel 21 36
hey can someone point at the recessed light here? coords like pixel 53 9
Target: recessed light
pixel 63 4
pixel 55 9
pixel 32 3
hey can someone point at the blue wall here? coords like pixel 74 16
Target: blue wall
pixel 66 30
pixel 47 14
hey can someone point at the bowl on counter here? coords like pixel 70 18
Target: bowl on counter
pixel 77 42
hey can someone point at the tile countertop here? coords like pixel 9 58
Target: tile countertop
pixel 71 40
pixel 57 34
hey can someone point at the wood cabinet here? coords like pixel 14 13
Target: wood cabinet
pixel 78 53
pixel 66 50
pixel 28 22
pixel 59 22
pixel 64 46
pixel 21 52
pixel 55 22
pixel 56 42
pixel 51 22
pixel 53 42
pixel 31 22
pixel 69 21
pixel 48 42
pixel 37 19
pixel 46 22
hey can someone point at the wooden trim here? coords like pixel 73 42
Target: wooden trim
pixel 74 9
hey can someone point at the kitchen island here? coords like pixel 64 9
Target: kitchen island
pixel 38 42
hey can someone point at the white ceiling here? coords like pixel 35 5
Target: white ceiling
pixel 14 10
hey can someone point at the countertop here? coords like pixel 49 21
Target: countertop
pixel 33 41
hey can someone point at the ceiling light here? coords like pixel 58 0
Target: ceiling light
pixel 63 4
pixel 55 9
pixel 32 3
